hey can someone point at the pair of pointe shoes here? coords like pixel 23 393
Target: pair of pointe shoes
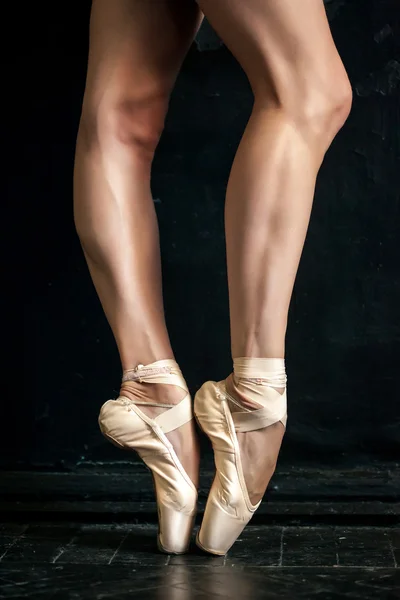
pixel 228 508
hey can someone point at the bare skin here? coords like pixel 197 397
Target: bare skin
pixel 301 99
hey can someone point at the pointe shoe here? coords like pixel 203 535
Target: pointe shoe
pixel 125 425
pixel 228 508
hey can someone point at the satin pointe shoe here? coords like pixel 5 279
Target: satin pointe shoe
pixel 123 423
pixel 228 508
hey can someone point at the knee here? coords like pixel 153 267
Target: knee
pixel 318 108
pixel 324 111
pixel 133 121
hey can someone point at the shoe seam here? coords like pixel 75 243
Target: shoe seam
pixel 162 437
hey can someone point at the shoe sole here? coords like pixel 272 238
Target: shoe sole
pixel 213 552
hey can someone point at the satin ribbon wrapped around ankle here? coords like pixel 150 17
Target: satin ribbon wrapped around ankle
pixel 252 375
pixel 162 371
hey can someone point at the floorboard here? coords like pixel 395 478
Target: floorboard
pixel 65 561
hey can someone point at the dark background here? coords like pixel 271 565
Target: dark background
pixel 344 330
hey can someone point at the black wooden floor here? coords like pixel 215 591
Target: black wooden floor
pixel 97 561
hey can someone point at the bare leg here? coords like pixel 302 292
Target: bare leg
pixel 136 50
pixel 302 97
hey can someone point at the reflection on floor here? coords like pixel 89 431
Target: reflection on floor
pixel 95 561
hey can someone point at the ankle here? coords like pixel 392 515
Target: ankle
pixel 255 379
pixel 234 387
pixel 159 382
pixel 159 393
pixel 146 358
pixel 271 343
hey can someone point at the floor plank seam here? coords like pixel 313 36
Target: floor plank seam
pixel 63 548
pixel 281 547
pixel 15 540
pixel 393 553
pixel 118 547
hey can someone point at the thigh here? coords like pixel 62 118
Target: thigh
pixel 137 47
pixel 281 44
